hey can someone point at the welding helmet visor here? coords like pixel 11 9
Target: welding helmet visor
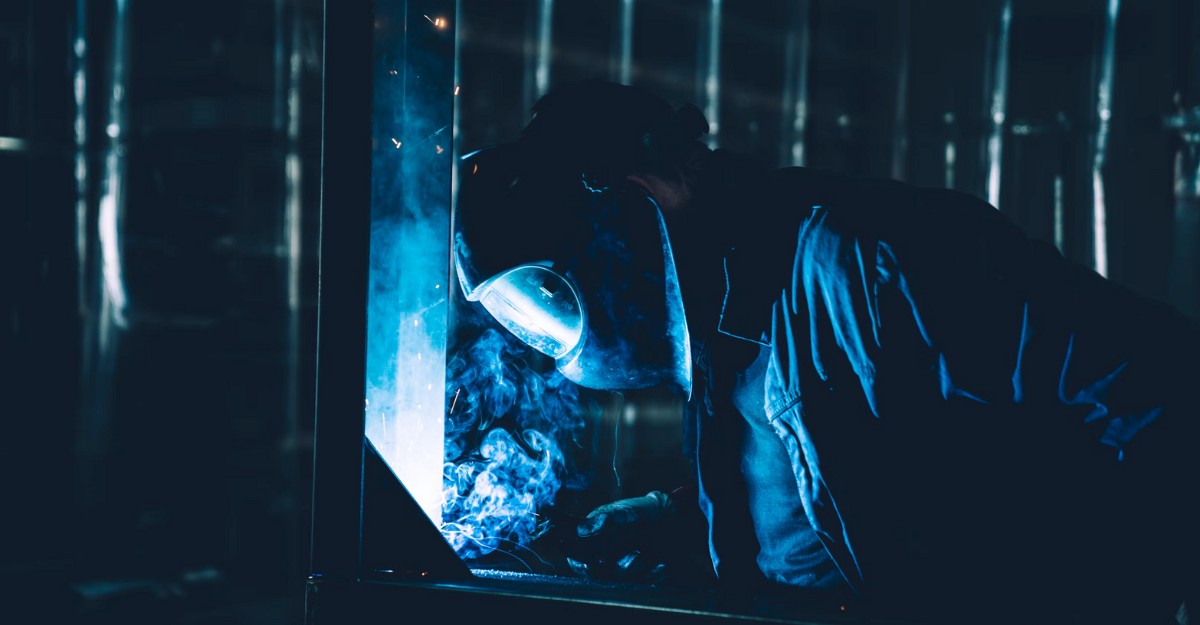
pixel 582 273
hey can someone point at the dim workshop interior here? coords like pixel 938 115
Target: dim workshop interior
pixel 255 367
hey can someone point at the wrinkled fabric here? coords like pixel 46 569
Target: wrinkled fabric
pixel 968 417
pixel 790 552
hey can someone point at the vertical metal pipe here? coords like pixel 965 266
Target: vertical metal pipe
pixel 279 104
pixel 1187 160
pixel 1183 277
pixel 102 287
pixel 81 149
pixel 292 29
pixel 336 539
pixel 1060 216
pixel 455 133
pixel 999 103
pixel 795 85
pixel 712 91
pixel 293 227
pixel 112 199
pixel 625 63
pixel 545 31
pixel 92 396
pixel 279 124
pixel 900 132
pixel 1103 114
pixel 951 149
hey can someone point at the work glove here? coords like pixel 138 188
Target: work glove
pixel 629 540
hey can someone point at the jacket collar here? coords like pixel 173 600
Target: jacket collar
pixel 764 210
pixel 745 311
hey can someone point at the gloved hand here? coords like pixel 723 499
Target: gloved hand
pixel 628 540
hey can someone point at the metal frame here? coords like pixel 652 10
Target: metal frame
pixel 341 319
pixel 353 489
pixel 364 520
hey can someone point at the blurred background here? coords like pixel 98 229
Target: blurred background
pixel 160 167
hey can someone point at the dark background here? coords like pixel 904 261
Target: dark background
pixel 157 421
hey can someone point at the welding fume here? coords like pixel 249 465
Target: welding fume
pixel 891 395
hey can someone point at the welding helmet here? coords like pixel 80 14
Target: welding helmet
pixel 580 271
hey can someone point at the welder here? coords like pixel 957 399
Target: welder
pixel 894 394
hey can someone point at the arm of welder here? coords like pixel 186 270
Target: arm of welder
pixel 642 539
pixel 923 299
pixel 947 300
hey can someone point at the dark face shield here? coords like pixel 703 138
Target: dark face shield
pixel 583 275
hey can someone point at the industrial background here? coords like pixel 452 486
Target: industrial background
pixel 160 169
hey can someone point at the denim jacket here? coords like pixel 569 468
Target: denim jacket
pixel 963 408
